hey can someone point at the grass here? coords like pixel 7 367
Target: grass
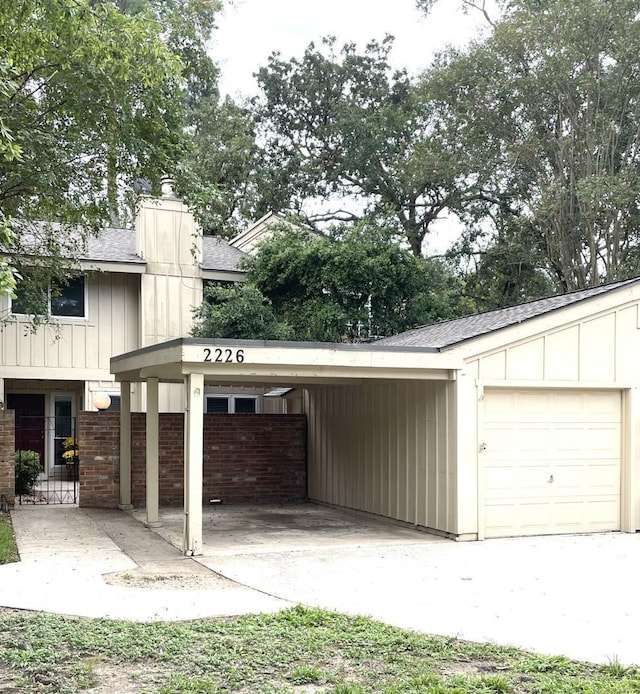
pixel 8 549
pixel 299 650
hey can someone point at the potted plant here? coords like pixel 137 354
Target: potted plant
pixel 70 456
pixel 27 471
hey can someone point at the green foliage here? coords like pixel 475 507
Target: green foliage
pixel 8 549
pixel 27 464
pixel 280 653
pixel 218 174
pixel 546 108
pixel 90 101
pixel 239 311
pixel 356 283
pixel 342 129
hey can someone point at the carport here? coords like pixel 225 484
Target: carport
pixel 196 363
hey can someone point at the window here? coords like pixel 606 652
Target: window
pixel 231 404
pixel 65 301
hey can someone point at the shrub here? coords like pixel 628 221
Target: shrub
pixel 27 471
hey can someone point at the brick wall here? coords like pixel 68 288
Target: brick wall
pixel 7 450
pixel 247 458
pixel 99 454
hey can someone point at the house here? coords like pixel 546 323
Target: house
pixel 137 288
pixel 515 422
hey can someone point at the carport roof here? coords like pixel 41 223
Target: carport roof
pixel 235 362
pixel 440 336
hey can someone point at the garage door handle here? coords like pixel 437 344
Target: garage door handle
pixel 551 478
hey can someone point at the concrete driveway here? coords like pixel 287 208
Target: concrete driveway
pixel 568 595
pixel 573 596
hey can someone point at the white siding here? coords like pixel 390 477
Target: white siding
pixel 384 449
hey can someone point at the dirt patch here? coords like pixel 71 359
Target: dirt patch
pixel 138 578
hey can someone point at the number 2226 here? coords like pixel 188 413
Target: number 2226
pixel 226 356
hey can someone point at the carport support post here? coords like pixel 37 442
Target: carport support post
pixel 152 453
pixel 125 446
pixel 193 449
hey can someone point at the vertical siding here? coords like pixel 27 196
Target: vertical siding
pixel 383 449
pixel 111 328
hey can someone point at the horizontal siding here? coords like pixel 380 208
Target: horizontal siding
pixel 383 449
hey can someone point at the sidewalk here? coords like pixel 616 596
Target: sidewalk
pixel 65 552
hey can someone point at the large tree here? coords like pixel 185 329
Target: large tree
pixel 86 85
pixel 355 284
pixel 90 96
pixel 346 137
pixel 549 105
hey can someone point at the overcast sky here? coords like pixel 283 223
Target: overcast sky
pixel 250 30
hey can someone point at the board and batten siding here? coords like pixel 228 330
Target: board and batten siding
pixel 599 350
pixel 384 448
pixel 85 345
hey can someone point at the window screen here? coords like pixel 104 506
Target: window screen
pixel 217 405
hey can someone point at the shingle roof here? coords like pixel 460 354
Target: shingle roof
pixel 113 245
pixel 219 255
pixel 119 246
pixel 452 332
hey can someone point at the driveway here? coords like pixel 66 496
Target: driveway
pixel 571 595
pixel 565 595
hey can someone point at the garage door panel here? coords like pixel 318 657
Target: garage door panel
pixel 552 461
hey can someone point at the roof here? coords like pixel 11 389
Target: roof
pixel 452 332
pixel 114 245
pixel 219 255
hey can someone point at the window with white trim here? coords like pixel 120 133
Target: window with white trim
pixel 67 301
pixel 231 404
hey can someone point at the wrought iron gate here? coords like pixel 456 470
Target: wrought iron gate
pixel 47 464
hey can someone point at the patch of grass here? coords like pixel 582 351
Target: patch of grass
pixel 8 549
pixel 299 650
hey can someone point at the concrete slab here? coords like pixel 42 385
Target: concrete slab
pixel 65 551
pixel 567 595
pixel 570 595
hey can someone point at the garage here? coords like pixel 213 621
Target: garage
pixel 551 461
pixel 515 422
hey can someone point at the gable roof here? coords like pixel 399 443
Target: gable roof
pixel 450 333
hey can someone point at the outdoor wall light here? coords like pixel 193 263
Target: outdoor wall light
pixel 101 401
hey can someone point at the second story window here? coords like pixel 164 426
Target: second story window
pixel 66 301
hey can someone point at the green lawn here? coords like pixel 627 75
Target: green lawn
pixel 300 650
pixel 8 551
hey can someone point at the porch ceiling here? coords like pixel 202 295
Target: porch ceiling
pixel 237 362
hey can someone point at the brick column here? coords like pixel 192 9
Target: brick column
pixel 7 450
pixel 99 453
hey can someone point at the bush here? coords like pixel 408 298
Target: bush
pixel 27 471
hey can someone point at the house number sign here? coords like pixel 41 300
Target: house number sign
pixel 223 356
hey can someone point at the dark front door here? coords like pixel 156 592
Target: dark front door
pixel 30 422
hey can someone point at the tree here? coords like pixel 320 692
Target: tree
pixel 87 93
pixel 218 175
pixel 344 132
pixel 241 312
pixel 355 284
pixel 549 104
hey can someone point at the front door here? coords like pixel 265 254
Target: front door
pixel 30 422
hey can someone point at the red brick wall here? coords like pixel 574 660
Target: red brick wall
pixel 247 458
pixel 99 454
pixel 7 450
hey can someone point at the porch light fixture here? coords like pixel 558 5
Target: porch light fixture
pixel 101 401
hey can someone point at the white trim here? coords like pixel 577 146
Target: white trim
pixel 231 401
pixel 546 385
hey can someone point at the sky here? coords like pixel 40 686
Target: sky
pixel 250 30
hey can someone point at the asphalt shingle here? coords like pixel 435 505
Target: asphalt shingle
pixel 452 332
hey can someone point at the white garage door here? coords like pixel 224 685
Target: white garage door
pixel 552 461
